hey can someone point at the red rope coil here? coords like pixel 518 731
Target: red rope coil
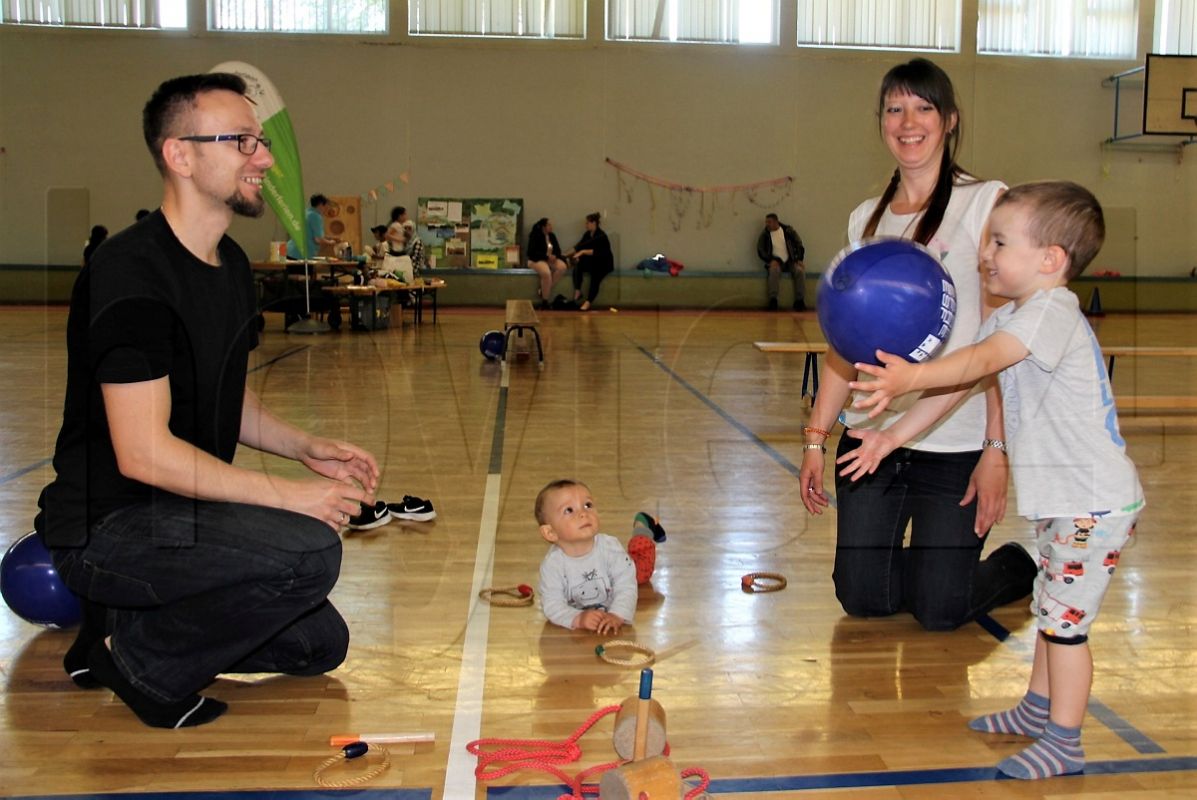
pixel 513 755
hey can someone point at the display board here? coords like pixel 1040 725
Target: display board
pixel 480 233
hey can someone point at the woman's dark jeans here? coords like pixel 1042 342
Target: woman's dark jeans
pixel 939 577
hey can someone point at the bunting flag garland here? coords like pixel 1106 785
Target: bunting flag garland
pixel 376 195
pixel 762 194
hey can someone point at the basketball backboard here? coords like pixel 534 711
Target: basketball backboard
pixel 1170 95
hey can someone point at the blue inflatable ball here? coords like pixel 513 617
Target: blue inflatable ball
pixel 886 294
pixel 32 588
pixel 492 344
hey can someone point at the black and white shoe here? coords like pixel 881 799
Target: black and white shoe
pixel 371 517
pixel 416 509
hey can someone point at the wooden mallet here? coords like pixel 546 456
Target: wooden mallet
pixel 642 778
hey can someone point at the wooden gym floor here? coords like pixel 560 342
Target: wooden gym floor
pixel 776 695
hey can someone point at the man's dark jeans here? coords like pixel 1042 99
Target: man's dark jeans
pixel 198 588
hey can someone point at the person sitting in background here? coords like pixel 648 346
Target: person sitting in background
pixel 592 254
pixel 544 256
pixel 98 234
pixel 379 248
pixel 415 248
pixel 780 248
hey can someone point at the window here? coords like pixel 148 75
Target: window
pixel 547 19
pixel 299 16
pixel 897 24
pixel 1176 27
pixel 1063 28
pixel 98 13
pixel 723 21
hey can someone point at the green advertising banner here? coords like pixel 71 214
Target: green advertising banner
pixel 283 184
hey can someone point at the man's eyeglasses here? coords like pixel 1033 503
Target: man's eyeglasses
pixel 247 143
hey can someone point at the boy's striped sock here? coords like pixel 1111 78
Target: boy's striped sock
pixel 1025 719
pixel 1057 752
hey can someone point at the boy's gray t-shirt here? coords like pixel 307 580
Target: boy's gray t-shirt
pixel 603 578
pixel 1067 454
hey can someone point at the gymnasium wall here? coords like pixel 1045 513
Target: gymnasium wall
pixel 537 119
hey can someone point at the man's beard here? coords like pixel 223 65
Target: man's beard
pixel 244 206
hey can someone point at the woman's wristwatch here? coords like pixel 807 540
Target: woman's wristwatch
pixel 996 444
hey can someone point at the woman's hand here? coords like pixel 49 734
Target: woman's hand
pixel 988 484
pixel 810 481
pixel 864 460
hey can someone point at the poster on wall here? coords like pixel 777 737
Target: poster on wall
pixel 494 226
pixel 480 233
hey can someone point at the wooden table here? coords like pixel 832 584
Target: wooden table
pixel 334 266
pixel 356 295
pixel 422 287
pixel 364 313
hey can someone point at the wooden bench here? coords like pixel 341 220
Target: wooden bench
pixel 1133 403
pixel 810 368
pixel 1131 350
pixel 521 316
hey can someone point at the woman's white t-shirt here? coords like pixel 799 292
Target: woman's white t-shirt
pixel 957 243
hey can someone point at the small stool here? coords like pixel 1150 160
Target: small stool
pixel 522 317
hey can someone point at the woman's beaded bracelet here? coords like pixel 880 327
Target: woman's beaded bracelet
pixel 812 429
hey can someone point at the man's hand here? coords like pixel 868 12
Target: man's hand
pixel 331 502
pixel 342 461
pixel 895 377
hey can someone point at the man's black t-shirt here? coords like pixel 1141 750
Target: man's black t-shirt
pixel 144 309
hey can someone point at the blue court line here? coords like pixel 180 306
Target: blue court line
pixel 784 462
pixel 277 358
pixel 279 794
pixel 26 470
pixel 1127 732
pixel 853 780
pixel 995 629
pixel 23 471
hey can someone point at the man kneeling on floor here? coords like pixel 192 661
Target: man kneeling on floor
pixel 187 565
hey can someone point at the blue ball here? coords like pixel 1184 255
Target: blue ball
pixel 492 344
pixel 32 588
pixel 886 294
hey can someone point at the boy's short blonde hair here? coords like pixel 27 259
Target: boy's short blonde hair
pixel 564 483
pixel 1062 214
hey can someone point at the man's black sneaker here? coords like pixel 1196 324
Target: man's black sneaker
pixel 416 509
pixel 371 517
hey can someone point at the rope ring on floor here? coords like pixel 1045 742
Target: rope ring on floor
pixel 755 582
pixel 637 654
pixel 346 754
pixel 521 595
